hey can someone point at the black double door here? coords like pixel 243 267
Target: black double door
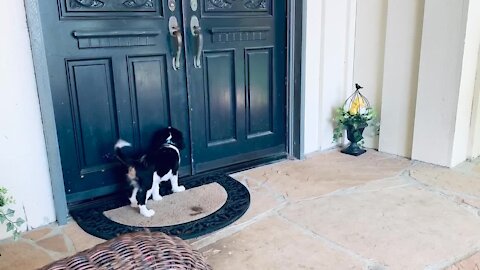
pixel 214 69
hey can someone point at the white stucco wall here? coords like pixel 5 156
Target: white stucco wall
pixel 330 30
pixel 336 73
pixel 23 160
pixel 400 78
pixel 371 21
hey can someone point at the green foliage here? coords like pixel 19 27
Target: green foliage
pixel 343 119
pixel 4 199
pixel 7 216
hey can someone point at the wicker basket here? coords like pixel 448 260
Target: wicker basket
pixel 140 250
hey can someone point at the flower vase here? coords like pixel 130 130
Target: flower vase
pixel 354 135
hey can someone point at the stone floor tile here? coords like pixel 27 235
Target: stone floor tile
pixel 54 243
pixel 262 200
pixel 472 166
pixel 21 255
pixel 274 244
pixel 327 172
pixel 80 239
pixel 250 183
pixel 476 169
pixel 471 263
pixel 377 185
pixel 390 225
pixel 447 179
pixel 473 202
pixel 37 234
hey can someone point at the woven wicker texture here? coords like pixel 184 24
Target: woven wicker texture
pixel 140 250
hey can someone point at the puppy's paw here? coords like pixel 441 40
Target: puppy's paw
pixel 133 203
pixel 178 189
pixel 146 212
pixel 157 197
pixel 149 213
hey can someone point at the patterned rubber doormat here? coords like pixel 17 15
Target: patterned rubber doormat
pixel 91 217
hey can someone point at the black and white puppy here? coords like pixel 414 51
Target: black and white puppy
pixel 146 170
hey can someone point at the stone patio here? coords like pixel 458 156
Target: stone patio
pixel 330 211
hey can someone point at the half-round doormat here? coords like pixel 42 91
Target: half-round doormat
pixel 93 220
pixel 173 209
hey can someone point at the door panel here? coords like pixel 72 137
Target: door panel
pixel 259 67
pixel 91 86
pixel 149 92
pixel 219 78
pixel 240 113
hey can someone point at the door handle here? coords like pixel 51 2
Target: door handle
pixel 177 34
pixel 176 59
pixel 197 60
pixel 197 33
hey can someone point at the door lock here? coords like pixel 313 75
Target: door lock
pixel 172 5
pixel 194 5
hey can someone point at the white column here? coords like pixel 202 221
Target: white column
pixel 400 78
pixel 467 84
pixel 312 63
pixel 448 64
pixel 475 128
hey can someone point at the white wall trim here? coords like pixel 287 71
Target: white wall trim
pixel 321 72
pixel 474 140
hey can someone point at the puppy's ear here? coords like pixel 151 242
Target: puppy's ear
pixel 159 137
pixel 177 138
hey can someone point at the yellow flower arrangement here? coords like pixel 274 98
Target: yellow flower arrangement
pixel 354 116
pixel 356 105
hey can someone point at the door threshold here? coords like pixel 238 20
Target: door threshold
pixel 241 166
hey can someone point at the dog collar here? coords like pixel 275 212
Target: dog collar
pixel 173 146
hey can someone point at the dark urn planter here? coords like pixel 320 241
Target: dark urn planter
pixel 354 135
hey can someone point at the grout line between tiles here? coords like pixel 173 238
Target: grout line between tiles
pixel 454 197
pixel 449 263
pixel 368 263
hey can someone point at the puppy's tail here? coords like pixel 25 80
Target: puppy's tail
pixel 118 151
